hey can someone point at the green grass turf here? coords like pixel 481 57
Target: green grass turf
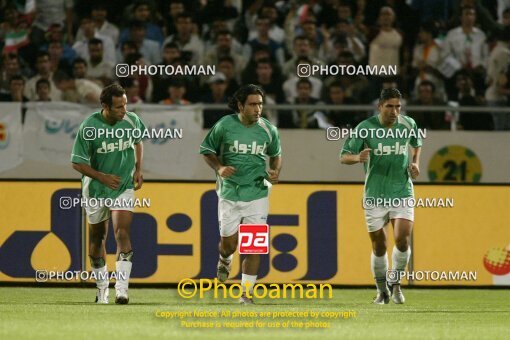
pixel 431 314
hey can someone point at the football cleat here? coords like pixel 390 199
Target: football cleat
pixel 223 270
pixel 397 295
pixel 382 298
pixel 102 295
pixel 121 296
pixel 244 300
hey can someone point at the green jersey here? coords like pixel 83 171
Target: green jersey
pixel 387 174
pixel 108 149
pixel 245 148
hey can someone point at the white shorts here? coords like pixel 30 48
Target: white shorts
pixel 377 217
pixel 231 214
pixel 96 214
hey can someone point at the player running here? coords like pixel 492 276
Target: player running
pixel 110 161
pixel 388 176
pixel 236 148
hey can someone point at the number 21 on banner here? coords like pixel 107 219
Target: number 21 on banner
pixel 253 239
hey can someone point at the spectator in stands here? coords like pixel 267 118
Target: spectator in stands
pixel 224 48
pixel 43 88
pixel 218 9
pixel 427 58
pixel 98 68
pixel 216 95
pixel 430 120
pixel 385 43
pixel 43 67
pixel 10 67
pixel 50 12
pixel 187 41
pixel 261 52
pixel 176 92
pixel 142 13
pixel 80 71
pixel 57 62
pixel 14 31
pixel 306 118
pixel 89 32
pixel 56 34
pixel 226 65
pixel 343 119
pixel 175 8
pixel 309 30
pixel 270 81
pixel 466 96
pixel 16 89
pixel 148 48
pixel 99 15
pixel 497 93
pixel 132 88
pixel 467 46
pixel 82 90
pixel 144 80
pixel 345 28
pixel 289 86
pixel 266 10
pixel 301 49
pixel 126 48
pixel 263 39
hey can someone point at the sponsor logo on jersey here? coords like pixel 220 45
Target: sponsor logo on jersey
pixel 120 145
pixel 252 148
pixel 385 150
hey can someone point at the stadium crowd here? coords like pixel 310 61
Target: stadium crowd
pixel 448 52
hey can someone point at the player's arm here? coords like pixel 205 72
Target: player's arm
pixel 213 161
pixel 349 158
pixel 137 176
pixel 275 166
pixel 111 181
pixel 414 167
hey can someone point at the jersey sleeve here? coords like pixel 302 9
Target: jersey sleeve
pixel 275 148
pixel 212 142
pixel 415 140
pixel 81 148
pixel 353 145
pixel 139 125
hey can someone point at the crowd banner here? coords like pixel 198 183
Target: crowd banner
pixel 50 129
pixel 11 137
pixel 171 149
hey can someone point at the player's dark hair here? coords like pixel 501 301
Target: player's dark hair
pixel 242 94
pixel 113 90
pixel 387 94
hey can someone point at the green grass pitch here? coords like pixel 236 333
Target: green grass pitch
pixel 59 313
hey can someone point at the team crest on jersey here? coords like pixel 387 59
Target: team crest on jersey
pixel 385 150
pixel 120 145
pixel 252 148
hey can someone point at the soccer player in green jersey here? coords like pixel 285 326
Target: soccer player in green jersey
pixel 388 180
pixel 110 160
pixel 236 148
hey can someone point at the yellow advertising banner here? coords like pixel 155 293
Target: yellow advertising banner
pixel 318 234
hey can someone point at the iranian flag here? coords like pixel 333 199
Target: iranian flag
pixel 15 40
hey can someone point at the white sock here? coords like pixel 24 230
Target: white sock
pixel 379 266
pixel 101 275
pixel 227 259
pixel 123 273
pixel 400 259
pixel 251 279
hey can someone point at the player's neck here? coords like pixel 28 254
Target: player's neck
pixel 107 118
pixel 244 120
pixel 386 124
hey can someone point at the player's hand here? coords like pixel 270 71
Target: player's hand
pixel 138 179
pixel 111 181
pixel 363 155
pixel 414 169
pixel 226 171
pixel 273 176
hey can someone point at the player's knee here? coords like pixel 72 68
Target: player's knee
pixel 97 238
pixel 227 248
pixel 402 244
